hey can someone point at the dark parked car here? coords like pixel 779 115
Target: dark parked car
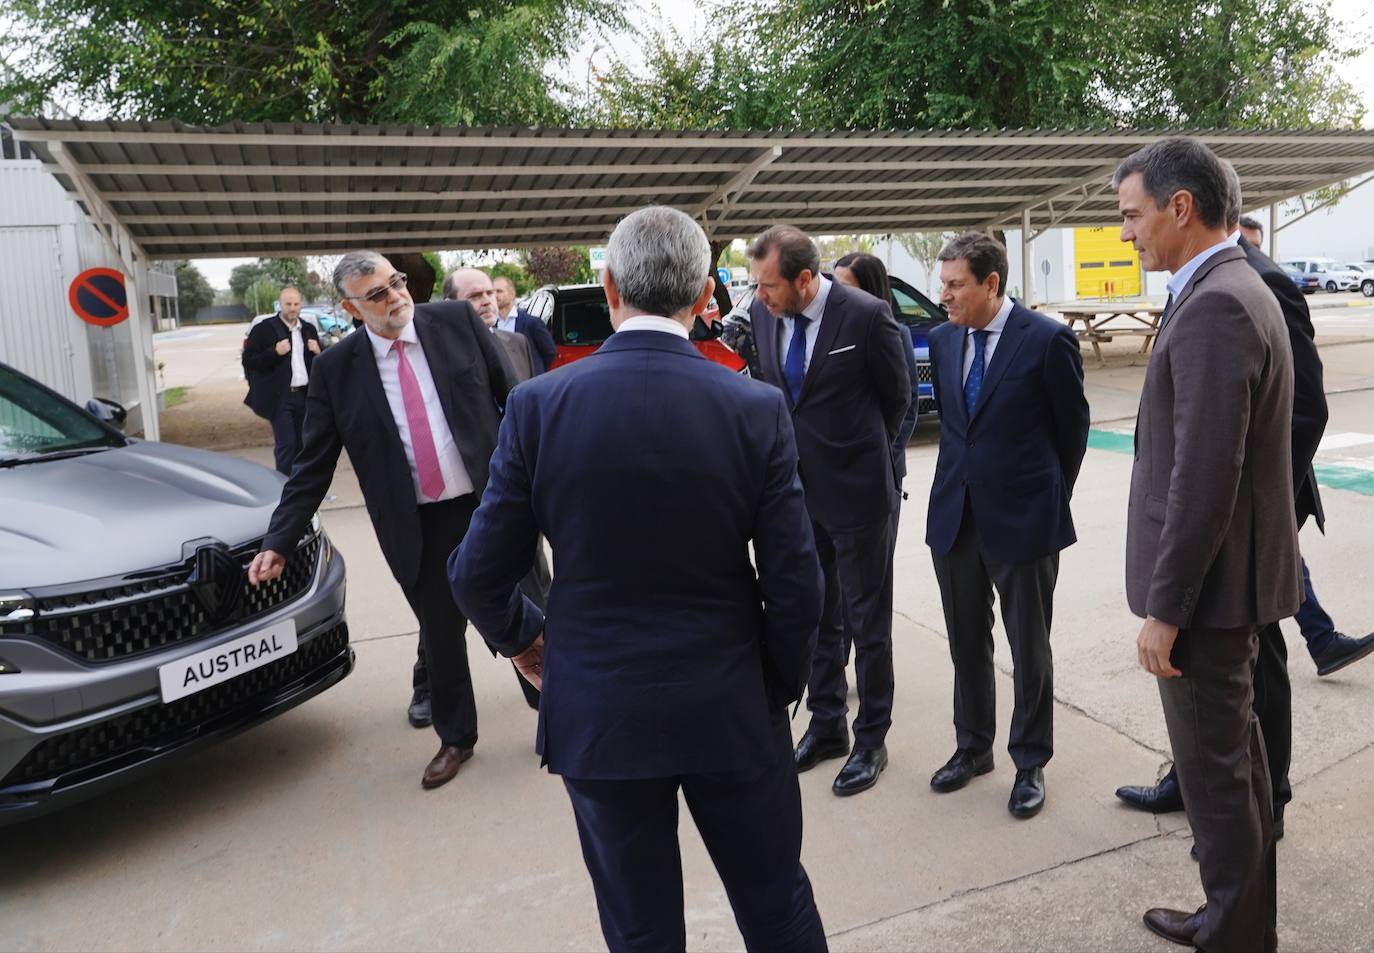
pixel 1307 284
pixel 580 321
pixel 128 630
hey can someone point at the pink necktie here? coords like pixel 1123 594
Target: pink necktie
pixel 421 437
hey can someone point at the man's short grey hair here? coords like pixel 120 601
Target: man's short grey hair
pixel 1181 164
pixel 286 288
pixel 353 264
pixel 1249 221
pixel 660 260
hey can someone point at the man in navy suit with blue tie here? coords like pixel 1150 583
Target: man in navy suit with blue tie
pixel 1013 431
pixel 668 660
pixel 517 320
pixel 841 361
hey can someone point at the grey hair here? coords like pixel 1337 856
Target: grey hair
pixel 1181 164
pixel 353 264
pixel 660 260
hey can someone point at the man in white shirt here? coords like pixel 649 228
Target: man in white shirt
pixel 415 400
pixel 277 355
pixel 511 318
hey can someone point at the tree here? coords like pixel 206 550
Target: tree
pixel 558 265
pixel 524 284
pixel 834 247
pixel 913 64
pixel 269 271
pixel 261 296
pixel 924 247
pixel 193 291
pixel 433 62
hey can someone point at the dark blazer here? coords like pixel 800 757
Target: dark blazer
pixel 1016 458
pixel 541 341
pixel 346 408
pixel 853 399
pixel 519 354
pixel 908 426
pixel 1309 394
pixel 665 654
pixel 269 373
pixel 1211 538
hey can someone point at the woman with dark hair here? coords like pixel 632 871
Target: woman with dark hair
pixel 865 272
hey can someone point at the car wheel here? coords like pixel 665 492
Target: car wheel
pixel 1331 287
pixel 1367 287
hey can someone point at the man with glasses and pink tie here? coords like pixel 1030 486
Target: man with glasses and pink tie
pixel 416 400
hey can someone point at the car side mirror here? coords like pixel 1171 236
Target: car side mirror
pixel 107 411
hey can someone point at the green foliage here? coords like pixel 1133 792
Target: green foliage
pixel 913 64
pixel 193 290
pixel 435 262
pixel 217 61
pixel 261 296
pixel 275 272
pixel 524 284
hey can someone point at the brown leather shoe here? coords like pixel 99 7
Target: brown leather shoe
pixel 1175 925
pixel 444 767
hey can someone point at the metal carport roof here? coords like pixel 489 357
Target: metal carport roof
pixel 290 189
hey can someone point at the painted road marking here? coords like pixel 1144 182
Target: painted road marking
pixel 1357 477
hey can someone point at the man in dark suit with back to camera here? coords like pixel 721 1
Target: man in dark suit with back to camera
pixel 519 321
pixel 838 357
pixel 276 361
pixel 414 397
pixel 1211 536
pixel 667 663
pixel 1013 431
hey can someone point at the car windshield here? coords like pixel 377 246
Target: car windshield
pixel 35 423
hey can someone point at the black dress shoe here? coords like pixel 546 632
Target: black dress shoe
pixel 861 771
pixel 813 749
pixel 1342 651
pixel 1164 798
pixel 960 770
pixel 419 712
pixel 1028 793
pixel 1175 925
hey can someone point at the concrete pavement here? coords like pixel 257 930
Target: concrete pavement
pixel 312 831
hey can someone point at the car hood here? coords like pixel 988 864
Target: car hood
pixel 119 511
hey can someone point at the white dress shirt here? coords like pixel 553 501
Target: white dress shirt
pixel 815 310
pixel 994 330
pixel 507 321
pixel 456 480
pixel 653 322
pixel 1179 280
pixel 298 375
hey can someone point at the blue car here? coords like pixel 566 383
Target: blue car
pixel 918 315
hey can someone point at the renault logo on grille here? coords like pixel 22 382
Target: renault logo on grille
pixel 217 580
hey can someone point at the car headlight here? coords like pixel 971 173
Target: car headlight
pixel 16 607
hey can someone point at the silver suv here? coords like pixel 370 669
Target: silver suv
pixel 128 629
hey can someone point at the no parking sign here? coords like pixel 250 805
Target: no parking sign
pixel 97 296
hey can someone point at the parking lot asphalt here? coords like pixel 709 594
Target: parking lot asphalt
pixel 312 832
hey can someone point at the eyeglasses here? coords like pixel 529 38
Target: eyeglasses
pixel 378 295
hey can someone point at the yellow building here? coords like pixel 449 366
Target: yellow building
pixel 1104 265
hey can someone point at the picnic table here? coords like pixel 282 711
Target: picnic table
pixel 1102 320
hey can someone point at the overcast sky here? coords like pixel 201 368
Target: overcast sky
pixel 695 18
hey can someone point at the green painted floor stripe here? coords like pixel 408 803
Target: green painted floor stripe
pixel 1334 475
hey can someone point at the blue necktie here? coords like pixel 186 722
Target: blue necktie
pixel 975 374
pixel 794 370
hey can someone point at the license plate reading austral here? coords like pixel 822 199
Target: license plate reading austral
pixel 197 672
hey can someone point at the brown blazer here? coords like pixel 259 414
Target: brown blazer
pixel 1211 539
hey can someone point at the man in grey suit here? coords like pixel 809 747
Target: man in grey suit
pixel 475 287
pixel 1211 537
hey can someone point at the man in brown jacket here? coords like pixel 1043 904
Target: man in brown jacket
pixel 1211 538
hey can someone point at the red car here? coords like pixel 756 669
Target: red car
pixel 580 321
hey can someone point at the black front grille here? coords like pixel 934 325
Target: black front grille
pixel 160 726
pixel 923 373
pixel 127 620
